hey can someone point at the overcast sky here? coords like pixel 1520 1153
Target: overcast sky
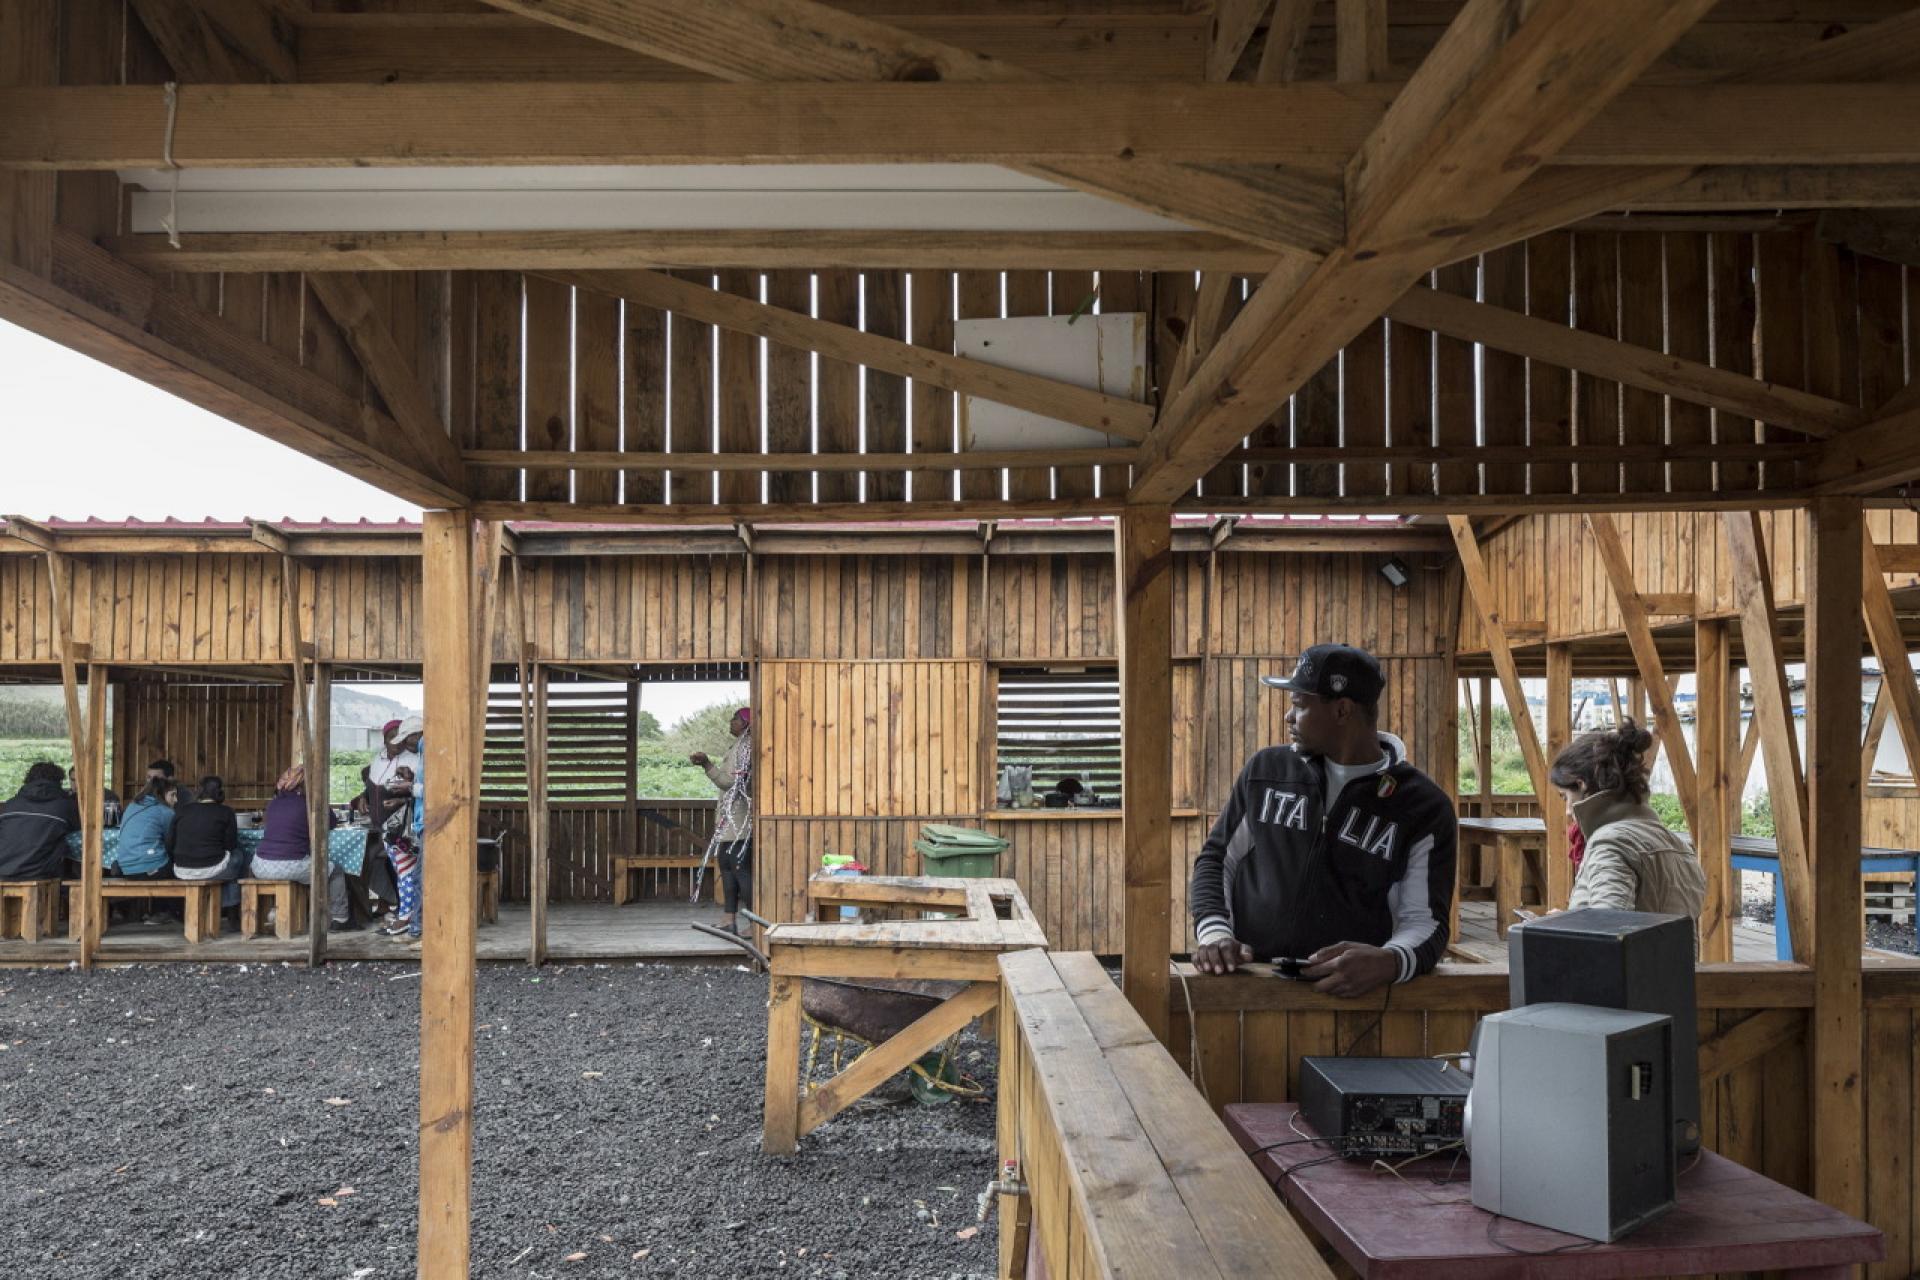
pixel 88 440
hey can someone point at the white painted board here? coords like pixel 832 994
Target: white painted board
pixel 1099 352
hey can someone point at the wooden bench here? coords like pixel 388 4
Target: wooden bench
pixel 29 909
pixel 290 902
pixel 199 901
pixel 489 897
pixel 626 866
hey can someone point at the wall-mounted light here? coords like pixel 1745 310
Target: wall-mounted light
pixel 1396 573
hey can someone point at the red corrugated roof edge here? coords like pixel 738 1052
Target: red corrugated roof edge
pixel 171 524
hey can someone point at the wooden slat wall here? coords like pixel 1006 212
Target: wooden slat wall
pixel 586 835
pixel 1546 568
pixel 244 733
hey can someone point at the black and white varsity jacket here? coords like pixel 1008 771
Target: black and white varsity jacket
pixel 1287 874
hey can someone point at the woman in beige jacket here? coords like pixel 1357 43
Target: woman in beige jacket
pixel 1632 862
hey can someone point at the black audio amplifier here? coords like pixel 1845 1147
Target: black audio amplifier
pixel 1384 1106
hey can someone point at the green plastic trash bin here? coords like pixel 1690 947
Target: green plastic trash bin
pixel 958 852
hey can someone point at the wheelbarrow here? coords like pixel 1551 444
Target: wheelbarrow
pixel 868 1012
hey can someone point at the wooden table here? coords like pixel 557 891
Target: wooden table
pixel 1728 1218
pixel 988 917
pixel 1762 854
pixel 1511 840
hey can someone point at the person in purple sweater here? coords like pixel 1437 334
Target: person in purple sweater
pixel 285 852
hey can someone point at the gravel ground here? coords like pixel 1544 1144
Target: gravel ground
pixel 1756 904
pixel 259 1122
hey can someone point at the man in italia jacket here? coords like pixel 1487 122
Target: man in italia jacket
pixel 1332 850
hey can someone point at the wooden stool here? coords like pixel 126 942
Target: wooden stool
pixel 626 866
pixel 199 901
pixel 29 909
pixel 290 900
pixel 489 896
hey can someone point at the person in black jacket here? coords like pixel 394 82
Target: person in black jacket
pixel 1332 850
pixel 204 841
pixel 34 826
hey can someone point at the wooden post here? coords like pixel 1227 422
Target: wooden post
pixel 319 797
pixel 539 812
pixel 1899 692
pixel 1483 748
pixel 1559 870
pixel 447 959
pixel 1833 825
pixel 85 751
pixel 1714 733
pixel 1144 546
pixel 93 803
pixel 1773 717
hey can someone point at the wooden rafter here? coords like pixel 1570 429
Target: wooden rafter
pixel 102 307
pixel 221 41
pixel 1234 22
pixel 978 460
pixel 1646 657
pixel 789 40
pixel 768 250
pixel 391 373
pixel 1623 362
pixel 1286 34
pixel 1880 455
pixel 1773 718
pixel 1093 409
pixel 1493 100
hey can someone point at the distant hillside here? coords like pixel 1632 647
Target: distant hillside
pixel 350 707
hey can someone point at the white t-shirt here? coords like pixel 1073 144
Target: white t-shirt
pixel 385 766
pixel 1339 775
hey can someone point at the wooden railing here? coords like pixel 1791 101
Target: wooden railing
pixel 1249 1032
pixel 1126 1173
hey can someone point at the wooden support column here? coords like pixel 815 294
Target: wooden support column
pixel 85 741
pixel 1716 727
pixel 1833 825
pixel 1773 717
pixel 319 797
pixel 29 55
pixel 1483 747
pixel 90 783
pixel 1559 870
pixel 447 959
pixel 539 810
pixel 1144 547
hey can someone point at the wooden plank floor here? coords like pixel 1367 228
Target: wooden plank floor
pixel 576 932
pixel 1478 941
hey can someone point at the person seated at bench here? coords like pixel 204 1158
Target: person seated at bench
pixel 142 852
pixel 1333 850
pixel 162 770
pixel 204 841
pixel 1631 862
pixel 109 799
pixel 34 826
pixel 286 850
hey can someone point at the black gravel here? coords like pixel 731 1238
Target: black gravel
pixel 1756 904
pixel 259 1122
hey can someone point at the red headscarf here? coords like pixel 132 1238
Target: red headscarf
pixel 1576 843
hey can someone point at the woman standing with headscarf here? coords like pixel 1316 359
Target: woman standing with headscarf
pixel 733 815
pixel 286 851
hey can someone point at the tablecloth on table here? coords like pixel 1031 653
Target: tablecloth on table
pixel 346 846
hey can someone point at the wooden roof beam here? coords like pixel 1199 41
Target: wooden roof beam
pixel 32 532
pixel 104 308
pixel 391 373
pixel 107 127
pixel 271 537
pixel 1623 362
pixel 1883 454
pixel 1093 409
pixel 765 250
pixel 975 460
pixel 1497 96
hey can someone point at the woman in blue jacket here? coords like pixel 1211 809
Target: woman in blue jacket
pixel 142 851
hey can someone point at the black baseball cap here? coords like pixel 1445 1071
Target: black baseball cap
pixel 1334 671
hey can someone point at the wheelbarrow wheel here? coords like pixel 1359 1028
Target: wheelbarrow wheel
pixel 937 1066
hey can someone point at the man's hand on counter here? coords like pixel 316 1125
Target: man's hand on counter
pixel 1350 969
pixel 1221 957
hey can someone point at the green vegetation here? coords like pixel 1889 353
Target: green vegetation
pixel 17 754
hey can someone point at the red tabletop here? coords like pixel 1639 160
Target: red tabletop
pixel 1727 1218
